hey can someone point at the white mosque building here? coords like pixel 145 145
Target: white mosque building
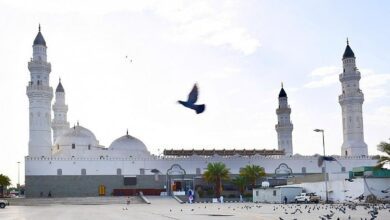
pixel 69 161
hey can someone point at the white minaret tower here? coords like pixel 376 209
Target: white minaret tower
pixel 60 123
pixel 284 126
pixel 351 101
pixel 40 95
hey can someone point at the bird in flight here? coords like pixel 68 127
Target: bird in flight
pixel 192 98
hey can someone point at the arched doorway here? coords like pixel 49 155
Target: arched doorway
pixel 177 184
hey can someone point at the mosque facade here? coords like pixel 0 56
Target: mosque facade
pixel 69 161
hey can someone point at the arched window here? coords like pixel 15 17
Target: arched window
pixel 118 171
pixel 89 147
pixel 343 169
pixel 303 169
pixel 83 171
pixel 73 146
pixel 59 172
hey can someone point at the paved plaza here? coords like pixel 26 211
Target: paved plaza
pixel 168 208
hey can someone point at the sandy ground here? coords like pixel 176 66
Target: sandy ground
pixel 167 208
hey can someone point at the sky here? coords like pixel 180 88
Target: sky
pixel 238 52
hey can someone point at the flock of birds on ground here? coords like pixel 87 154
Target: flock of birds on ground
pixel 334 211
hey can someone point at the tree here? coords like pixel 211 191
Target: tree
pixel 252 173
pixel 241 183
pixel 215 173
pixel 4 182
pixel 385 148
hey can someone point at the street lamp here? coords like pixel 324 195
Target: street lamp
pixel 325 176
pixel 18 186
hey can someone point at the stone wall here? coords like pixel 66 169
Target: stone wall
pixel 85 185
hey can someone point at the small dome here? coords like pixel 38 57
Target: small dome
pixel 130 144
pixel 39 40
pixel 77 135
pixel 60 88
pixel 282 93
pixel 348 53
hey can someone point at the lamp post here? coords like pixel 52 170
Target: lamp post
pixel 325 176
pixel 18 186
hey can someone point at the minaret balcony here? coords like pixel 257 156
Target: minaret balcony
pixel 352 98
pixel 349 76
pixel 39 65
pixel 60 108
pixel 39 90
pixel 284 126
pixel 283 110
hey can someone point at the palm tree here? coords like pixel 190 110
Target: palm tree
pixel 215 173
pixel 385 148
pixel 252 173
pixel 4 182
pixel 241 183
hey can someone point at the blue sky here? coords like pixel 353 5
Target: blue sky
pixel 239 52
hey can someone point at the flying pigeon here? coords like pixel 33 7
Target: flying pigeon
pixel 192 98
pixel 321 160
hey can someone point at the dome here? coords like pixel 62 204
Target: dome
pixel 282 93
pixel 77 135
pixel 130 144
pixel 60 88
pixel 348 53
pixel 39 40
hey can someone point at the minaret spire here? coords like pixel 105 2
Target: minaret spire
pixel 284 126
pixel 351 102
pixel 39 27
pixel 40 95
pixel 60 122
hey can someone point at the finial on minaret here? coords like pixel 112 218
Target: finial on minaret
pixel 282 85
pixel 347 41
pixel 127 132
pixel 59 80
pixel 39 27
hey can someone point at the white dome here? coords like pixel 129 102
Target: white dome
pixel 129 144
pixel 79 136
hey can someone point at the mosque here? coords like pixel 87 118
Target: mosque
pixel 69 161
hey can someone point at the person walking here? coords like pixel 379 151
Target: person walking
pixel 285 200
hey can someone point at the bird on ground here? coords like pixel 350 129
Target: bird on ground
pixel 192 98
pixel 131 60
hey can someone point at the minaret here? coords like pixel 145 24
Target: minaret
pixel 351 101
pixel 60 123
pixel 40 95
pixel 284 126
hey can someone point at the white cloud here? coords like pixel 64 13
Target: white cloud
pixel 372 84
pixel 200 21
pixel 380 117
pixel 326 70
pixel 324 76
pixel 224 73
